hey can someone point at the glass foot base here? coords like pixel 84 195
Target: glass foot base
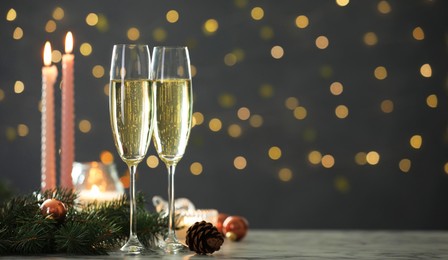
pixel 132 247
pixel 173 247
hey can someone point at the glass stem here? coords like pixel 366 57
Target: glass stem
pixel 133 205
pixel 171 210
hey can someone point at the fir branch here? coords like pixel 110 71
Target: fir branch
pixel 66 196
pixel 96 228
pixel 34 236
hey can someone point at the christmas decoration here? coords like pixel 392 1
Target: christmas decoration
pixel 53 208
pixel 235 227
pixel 32 224
pixel 221 218
pixel 204 238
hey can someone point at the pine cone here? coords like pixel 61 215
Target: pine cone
pixel 204 238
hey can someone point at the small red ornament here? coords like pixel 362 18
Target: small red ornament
pixel 235 227
pixel 219 224
pixel 53 208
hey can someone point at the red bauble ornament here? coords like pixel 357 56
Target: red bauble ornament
pixel 235 227
pixel 219 224
pixel 53 208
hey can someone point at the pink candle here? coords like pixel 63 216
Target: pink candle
pixel 48 149
pixel 68 114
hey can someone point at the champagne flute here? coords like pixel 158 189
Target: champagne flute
pixel 172 120
pixel 131 114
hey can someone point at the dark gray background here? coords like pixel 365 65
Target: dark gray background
pixel 376 196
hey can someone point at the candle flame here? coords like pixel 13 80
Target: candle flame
pixel 69 42
pixel 95 190
pixel 47 54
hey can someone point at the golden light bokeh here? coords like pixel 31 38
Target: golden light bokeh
pixel 370 38
pixel 193 71
pixel 274 153
pixel 58 13
pixel 257 13
pixel 300 113
pixel 106 157
pixel 98 71
pixel 2 95
pixel 326 71
pixel 243 113
pixel 50 26
pixel 11 15
pixel 387 106
pixel 239 54
pixel 92 19
pixel 159 34
pixel 361 158
pixel 445 168
pixel 210 26
pixel 426 70
pixel 432 101
pixel 230 59
pixel 342 184
pixel 133 34
pixel 315 157
pixel 373 158
pixel 418 33
pixel 226 100
pixel 380 72
pixel 302 21
pixel 416 141
pixel 266 33
pixel 327 161
pixel 342 3
pixel 19 87
pixel 17 34
pixel 85 49
pixel 198 117
pixel 196 168
pixel 277 52
pixel 106 89
pixel 103 23
pixel 341 111
pixel 291 103
pixel 172 16
pixel 256 121
pixel 241 3
pixel 11 133
pixel 285 174
pixel 22 130
pixel 266 91
pixel 215 124
pixel 404 165
pixel 384 7
pixel 84 126
pixel 240 162
pixel 152 161
pixel 336 88
pixel 322 42
pixel 234 130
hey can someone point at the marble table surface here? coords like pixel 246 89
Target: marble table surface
pixel 304 244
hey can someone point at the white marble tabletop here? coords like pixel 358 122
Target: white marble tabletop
pixel 302 244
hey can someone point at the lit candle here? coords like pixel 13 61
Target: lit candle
pixel 48 148
pixel 68 114
pixel 95 194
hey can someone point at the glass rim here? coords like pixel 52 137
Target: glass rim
pixel 171 47
pixel 130 44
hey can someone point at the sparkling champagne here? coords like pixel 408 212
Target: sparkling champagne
pixel 173 118
pixel 130 112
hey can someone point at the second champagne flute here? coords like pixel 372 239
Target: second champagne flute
pixel 173 117
pixel 131 114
